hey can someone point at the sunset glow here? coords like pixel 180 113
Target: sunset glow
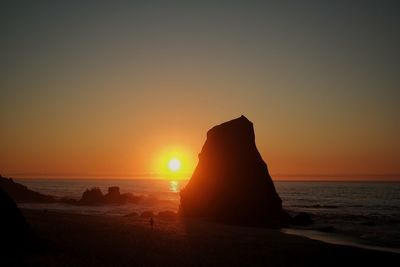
pixel 99 92
pixel 174 163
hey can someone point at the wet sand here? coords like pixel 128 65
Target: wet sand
pixel 88 240
pixel 339 239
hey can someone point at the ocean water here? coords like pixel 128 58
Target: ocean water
pixel 158 194
pixel 368 212
pixel 365 214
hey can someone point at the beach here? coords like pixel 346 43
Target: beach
pixel 365 212
pixel 98 240
pixel 200 133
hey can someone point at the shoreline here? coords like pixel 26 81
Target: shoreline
pixel 98 240
pixel 337 239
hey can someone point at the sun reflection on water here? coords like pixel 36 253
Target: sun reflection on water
pixel 174 186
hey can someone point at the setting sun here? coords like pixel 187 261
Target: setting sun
pixel 174 164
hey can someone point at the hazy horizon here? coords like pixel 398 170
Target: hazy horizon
pixel 119 89
pixel 275 177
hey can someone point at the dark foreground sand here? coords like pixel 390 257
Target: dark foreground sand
pixel 83 240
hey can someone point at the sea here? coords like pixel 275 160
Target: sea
pixel 363 214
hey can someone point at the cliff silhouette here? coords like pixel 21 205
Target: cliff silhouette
pixel 20 193
pixel 17 237
pixel 90 197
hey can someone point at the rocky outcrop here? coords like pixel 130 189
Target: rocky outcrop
pixel 231 182
pixel 302 218
pixel 115 197
pixel 147 214
pixel 21 193
pixel 132 214
pixel 167 214
pixel 94 196
pixel 16 234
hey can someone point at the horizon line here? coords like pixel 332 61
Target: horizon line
pixel 276 176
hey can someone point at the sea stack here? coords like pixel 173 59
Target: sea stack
pixel 231 182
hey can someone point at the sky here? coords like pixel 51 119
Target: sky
pixel 106 89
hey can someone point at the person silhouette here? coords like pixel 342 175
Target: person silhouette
pixel 151 222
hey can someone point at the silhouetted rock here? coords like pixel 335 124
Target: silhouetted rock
pixel 326 229
pixel 130 198
pixel 21 193
pixel 115 197
pixel 114 191
pixel 132 214
pixel 302 218
pixel 147 214
pixel 167 214
pixel 231 182
pixel 17 236
pixel 92 196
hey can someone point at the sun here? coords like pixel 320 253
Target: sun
pixel 174 164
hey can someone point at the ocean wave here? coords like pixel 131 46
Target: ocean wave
pixel 315 206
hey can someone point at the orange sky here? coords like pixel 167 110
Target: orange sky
pixel 103 91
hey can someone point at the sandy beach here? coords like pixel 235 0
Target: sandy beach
pixel 88 240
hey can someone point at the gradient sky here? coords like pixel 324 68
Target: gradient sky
pixel 91 89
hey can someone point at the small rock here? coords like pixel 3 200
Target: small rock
pixel 132 214
pixel 147 214
pixel 302 218
pixel 326 229
pixel 92 196
pixel 167 214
